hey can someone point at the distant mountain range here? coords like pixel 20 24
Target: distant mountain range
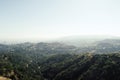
pixel 84 41
pixel 96 46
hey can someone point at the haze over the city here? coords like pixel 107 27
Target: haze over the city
pixel 48 19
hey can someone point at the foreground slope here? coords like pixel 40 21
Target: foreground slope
pixel 61 67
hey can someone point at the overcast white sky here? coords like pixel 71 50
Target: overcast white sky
pixel 44 19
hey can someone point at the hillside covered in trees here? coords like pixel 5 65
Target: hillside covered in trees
pixel 57 61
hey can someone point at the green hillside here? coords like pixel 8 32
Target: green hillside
pixel 55 61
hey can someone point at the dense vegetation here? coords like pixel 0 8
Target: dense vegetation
pixel 55 61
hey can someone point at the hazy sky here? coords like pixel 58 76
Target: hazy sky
pixel 42 19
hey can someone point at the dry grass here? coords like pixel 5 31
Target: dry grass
pixel 4 78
